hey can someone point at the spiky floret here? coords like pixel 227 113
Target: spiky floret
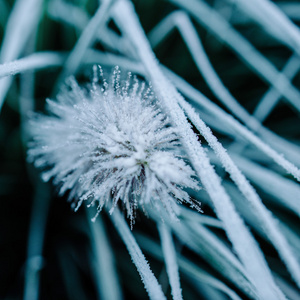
pixel 111 142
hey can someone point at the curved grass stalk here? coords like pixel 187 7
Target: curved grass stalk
pixel 214 22
pixel 170 260
pixel 152 286
pixel 192 40
pixel 187 267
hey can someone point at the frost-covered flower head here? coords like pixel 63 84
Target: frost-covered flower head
pixel 111 142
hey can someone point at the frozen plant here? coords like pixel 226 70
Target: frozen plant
pixel 109 142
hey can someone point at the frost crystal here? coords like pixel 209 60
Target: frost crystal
pixel 109 143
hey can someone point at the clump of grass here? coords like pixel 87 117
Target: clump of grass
pixel 228 82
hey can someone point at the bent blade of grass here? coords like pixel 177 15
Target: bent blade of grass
pixel 192 40
pixel 107 282
pixel 170 260
pixel 151 284
pixel 214 22
pixel 187 267
pixel 42 194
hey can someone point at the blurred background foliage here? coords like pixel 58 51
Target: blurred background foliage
pixel 66 269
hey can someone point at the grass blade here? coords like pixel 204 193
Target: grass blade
pixel 170 260
pixel 105 272
pixel 152 286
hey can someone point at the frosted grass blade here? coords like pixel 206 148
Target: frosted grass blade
pixel 105 272
pixel 74 16
pixel 85 41
pixel 264 216
pixel 250 216
pixel 236 230
pixel 36 61
pixel 202 219
pixel 194 95
pixel 36 238
pixel 284 190
pixel 152 286
pixel 212 250
pixel 187 267
pixel 21 23
pixel 23 19
pixel 192 40
pixel 272 96
pixel 291 9
pixel 214 22
pixel 3 13
pixel 170 260
pixel 273 20
pixel 45 60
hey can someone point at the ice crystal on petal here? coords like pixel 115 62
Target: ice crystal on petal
pixel 111 142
